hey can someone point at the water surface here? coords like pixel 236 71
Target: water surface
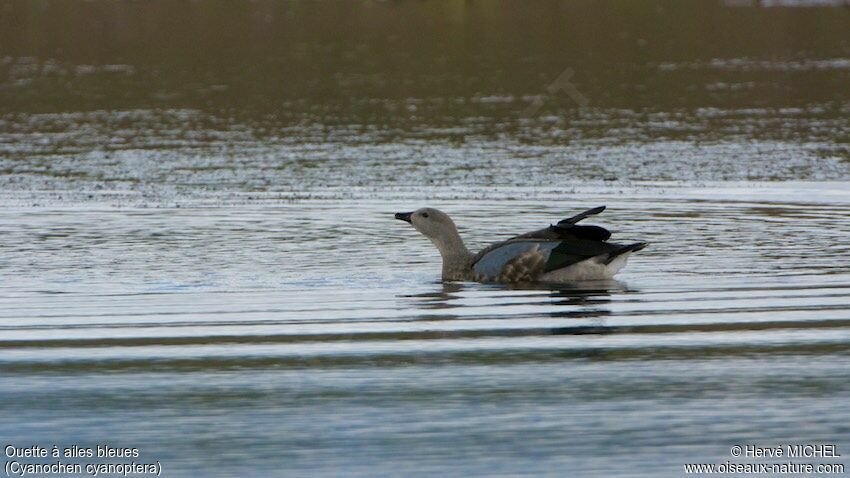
pixel 199 259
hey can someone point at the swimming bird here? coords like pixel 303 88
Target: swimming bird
pixel 562 252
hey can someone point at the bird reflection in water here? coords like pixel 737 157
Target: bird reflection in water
pixel 587 301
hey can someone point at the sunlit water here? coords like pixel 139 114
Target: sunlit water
pixel 201 261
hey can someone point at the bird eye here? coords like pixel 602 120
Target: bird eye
pixel 424 214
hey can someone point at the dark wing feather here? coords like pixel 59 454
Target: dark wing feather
pixel 579 217
pixel 571 251
pixel 568 231
pixel 624 249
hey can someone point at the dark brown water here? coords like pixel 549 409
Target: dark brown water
pixel 198 256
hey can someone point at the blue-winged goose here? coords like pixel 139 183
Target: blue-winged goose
pixel 562 252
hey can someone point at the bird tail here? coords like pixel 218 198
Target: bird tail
pixel 623 250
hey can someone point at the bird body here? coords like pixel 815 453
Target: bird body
pixel 562 252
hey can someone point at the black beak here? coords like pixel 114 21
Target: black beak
pixel 403 216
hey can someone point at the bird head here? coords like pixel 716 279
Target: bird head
pixel 432 223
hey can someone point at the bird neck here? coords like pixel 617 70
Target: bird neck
pixel 457 260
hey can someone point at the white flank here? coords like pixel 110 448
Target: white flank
pixel 589 269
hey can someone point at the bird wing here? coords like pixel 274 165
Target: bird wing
pixel 544 250
pixel 516 260
pixel 512 260
pixel 568 229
